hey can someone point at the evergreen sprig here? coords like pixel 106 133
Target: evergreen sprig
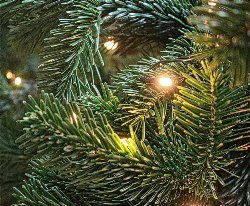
pixel 226 24
pixel 134 142
pixel 137 24
pixel 27 20
pixel 69 32
pixel 237 188
pixel 71 56
pixel 92 159
pixel 13 162
pixel 197 140
pixel 34 192
pixel 213 121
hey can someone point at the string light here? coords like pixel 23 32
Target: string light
pixel 111 45
pixel 73 118
pixel 165 81
pixel 125 141
pixel 18 81
pixel 212 2
pixel 9 75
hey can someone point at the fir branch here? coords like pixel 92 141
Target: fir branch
pixel 137 24
pixel 226 25
pixel 70 31
pixel 208 114
pixel 138 87
pixel 28 23
pixel 237 188
pixel 89 155
pixel 72 52
pixel 36 193
pixel 13 162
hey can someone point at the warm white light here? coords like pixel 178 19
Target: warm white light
pixel 212 2
pixel 125 141
pixel 9 75
pixel 18 81
pixel 206 21
pixel 165 81
pixel 73 118
pixel 111 45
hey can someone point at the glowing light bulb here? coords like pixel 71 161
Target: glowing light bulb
pixel 111 45
pixel 212 2
pixel 18 81
pixel 73 118
pixel 125 141
pixel 9 75
pixel 165 81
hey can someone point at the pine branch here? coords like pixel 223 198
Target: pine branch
pixel 28 23
pixel 91 157
pixel 13 162
pixel 208 114
pixel 36 193
pixel 226 26
pixel 70 30
pixel 6 6
pixel 71 52
pixel 181 47
pixel 137 24
pixel 88 154
pixel 237 189
pixel 138 88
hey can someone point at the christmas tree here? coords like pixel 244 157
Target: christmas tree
pixel 17 81
pixel 170 129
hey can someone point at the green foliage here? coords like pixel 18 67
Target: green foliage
pixel 5 99
pixel 72 52
pixel 136 24
pixel 70 31
pixel 28 24
pixel 13 162
pixel 90 157
pixel 227 26
pixel 6 6
pixel 36 193
pixel 134 142
pixel 212 121
pixel 137 85
pixel 237 189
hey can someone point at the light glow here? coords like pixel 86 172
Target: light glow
pixel 212 2
pixel 125 141
pixel 111 45
pixel 9 75
pixel 18 81
pixel 73 118
pixel 165 81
